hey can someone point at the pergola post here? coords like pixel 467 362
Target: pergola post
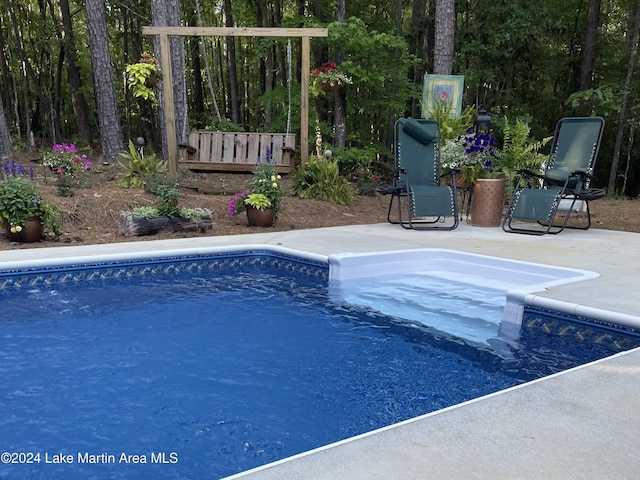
pixel 167 88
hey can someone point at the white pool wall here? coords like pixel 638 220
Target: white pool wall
pixel 517 279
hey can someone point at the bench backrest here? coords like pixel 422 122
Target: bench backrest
pixel 237 151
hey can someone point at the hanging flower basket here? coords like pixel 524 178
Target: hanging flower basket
pixel 328 87
pixel 151 81
pixel 328 78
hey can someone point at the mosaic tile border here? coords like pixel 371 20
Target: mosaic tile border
pixel 609 335
pixel 219 263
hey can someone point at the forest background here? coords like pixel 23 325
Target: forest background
pixel 63 71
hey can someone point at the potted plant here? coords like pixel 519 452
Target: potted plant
pixel 260 211
pixel 142 77
pixel 328 78
pixel 262 198
pixel 26 216
pixel 474 158
pixel 471 156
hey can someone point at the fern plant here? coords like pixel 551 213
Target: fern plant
pixel 519 152
pixel 451 127
pixel 139 167
pixel 321 180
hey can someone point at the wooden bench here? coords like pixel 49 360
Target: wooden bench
pixel 237 152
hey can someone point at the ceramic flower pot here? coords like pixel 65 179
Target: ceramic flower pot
pixel 32 231
pixel 487 202
pixel 260 218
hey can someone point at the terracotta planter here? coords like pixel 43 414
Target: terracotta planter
pixel 460 183
pixel 260 218
pixel 32 231
pixel 487 202
pixel 329 87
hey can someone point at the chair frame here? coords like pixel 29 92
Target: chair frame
pixel 581 192
pixel 401 188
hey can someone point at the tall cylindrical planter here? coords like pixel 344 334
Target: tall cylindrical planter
pixel 487 202
pixel 260 218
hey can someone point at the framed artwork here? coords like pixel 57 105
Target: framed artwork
pixel 443 92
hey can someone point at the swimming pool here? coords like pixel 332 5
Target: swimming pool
pixel 89 281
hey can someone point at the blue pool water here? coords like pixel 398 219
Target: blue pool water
pixel 204 371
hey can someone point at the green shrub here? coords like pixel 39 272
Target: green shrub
pixel 321 180
pixel 167 201
pixel 140 168
pixel 357 165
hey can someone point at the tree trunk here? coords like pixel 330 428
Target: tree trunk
pixel 78 101
pixel 417 42
pixel 234 99
pixel 210 77
pixel 131 226
pixel 197 105
pixel 589 46
pixel 167 13
pixel 6 149
pixel 635 35
pixel 444 31
pixel 104 86
pixel 263 21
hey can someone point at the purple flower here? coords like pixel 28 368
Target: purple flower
pixel 232 209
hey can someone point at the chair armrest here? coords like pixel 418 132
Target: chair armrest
pixel 528 173
pixel 583 174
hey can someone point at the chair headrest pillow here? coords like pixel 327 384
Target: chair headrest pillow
pixel 416 130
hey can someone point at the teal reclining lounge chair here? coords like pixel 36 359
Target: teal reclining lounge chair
pixel 422 202
pixel 537 199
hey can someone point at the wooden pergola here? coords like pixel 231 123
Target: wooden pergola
pixel 165 66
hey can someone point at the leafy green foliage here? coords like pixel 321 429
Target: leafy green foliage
pixel 258 200
pixel 357 164
pixel 138 167
pixel 52 220
pixel 321 180
pixel 20 198
pixel 519 152
pixel 138 79
pixel 167 201
pixel 603 100
pixel 378 64
pixel 267 182
pixel 451 127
